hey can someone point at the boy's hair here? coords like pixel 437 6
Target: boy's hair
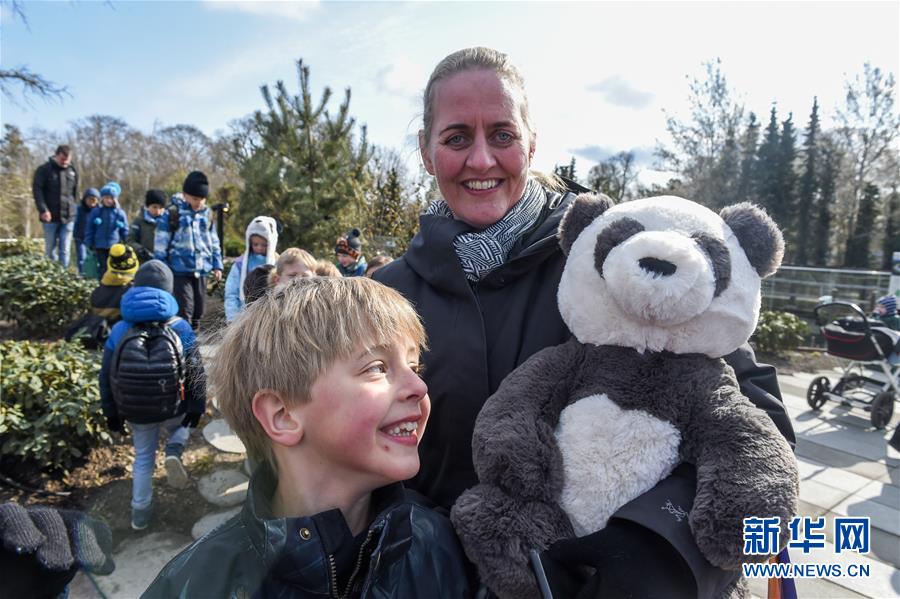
pixel 324 268
pixel 286 340
pixel 292 256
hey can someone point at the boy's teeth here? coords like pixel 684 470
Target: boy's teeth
pixel 490 183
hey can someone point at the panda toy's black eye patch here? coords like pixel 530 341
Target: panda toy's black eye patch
pixel 614 234
pixel 719 256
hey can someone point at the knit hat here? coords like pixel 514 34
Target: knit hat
pixel 111 189
pixel 890 304
pixel 196 184
pixel 267 228
pixel 91 192
pixel 155 273
pixel 122 260
pixel 349 244
pixel 155 196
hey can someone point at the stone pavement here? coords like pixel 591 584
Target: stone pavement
pixel 846 469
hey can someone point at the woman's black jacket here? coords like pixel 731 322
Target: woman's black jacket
pixel 477 335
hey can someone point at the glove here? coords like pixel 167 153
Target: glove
pixel 41 549
pixel 191 420
pixel 114 423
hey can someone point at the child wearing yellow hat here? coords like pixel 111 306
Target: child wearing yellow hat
pixel 121 265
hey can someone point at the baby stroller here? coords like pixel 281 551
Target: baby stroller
pixel 871 370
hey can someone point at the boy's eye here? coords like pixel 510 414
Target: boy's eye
pixel 377 368
pixel 419 369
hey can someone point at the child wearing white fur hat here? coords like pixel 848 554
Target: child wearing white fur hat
pixel 261 239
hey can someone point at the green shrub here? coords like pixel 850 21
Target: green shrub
pixel 232 246
pixel 778 331
pixel 41 296
pixel 50 405
pixel 21 245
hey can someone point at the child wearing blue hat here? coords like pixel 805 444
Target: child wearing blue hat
pixel 107 224
pixel 88 202
pixel 886 312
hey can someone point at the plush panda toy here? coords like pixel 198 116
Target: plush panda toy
pixel 656 291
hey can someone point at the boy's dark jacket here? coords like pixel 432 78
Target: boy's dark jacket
pixel 81 217
pixel 55 190
pixel 414 553
pixel 143 235
pixel 148 304
pixel 488 330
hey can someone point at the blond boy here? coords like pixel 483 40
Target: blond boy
pixel 320 380
pixel 292 264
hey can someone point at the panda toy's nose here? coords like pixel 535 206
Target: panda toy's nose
pixel 656 266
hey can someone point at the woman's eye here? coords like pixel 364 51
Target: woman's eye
pixel 504 136
pixel 454 140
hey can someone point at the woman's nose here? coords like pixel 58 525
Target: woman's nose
pixel 481 156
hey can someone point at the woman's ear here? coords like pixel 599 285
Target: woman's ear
pixel 281 424
pixel 423 152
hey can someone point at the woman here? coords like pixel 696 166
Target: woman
pixel 483 273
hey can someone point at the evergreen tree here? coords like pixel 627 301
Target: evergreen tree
pixel 725 177
pixel 566 171
pixel 891 241
pixel 766 171
pixel 18 216
pixel 831 160
pixel 746 183
pixel 808 187
pixel 857 253
pixel 303 164
pixel 785 213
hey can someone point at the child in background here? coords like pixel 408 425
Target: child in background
pixel 321 383
pixel 88 202
pixel 376 263
pixel 187 242
pixel 120 268
pixel 125 396
pixel 143 232
pixel 349 254
pixel 293 263
pixel 107 224
pixel 886 312
pixel 324 268
pixel 261 238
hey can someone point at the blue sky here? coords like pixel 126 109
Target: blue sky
pixel 598 74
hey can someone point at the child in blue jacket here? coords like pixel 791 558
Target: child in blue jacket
pixel 261 239
pixel 151 300
pixel 89 201
pixel 107 224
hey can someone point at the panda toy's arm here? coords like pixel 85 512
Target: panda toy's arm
pixel 515 507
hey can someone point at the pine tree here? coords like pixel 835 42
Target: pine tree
pixel 808 186
pixel 746 183
pixel 725 177
pixel 858 244
pixel 785 213
pixel 17 213
pixel 831 164
pixel 766 171
pixel 566 171
pixel 891 241
pixel 305 166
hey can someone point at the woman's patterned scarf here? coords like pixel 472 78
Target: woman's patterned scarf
pixel 480 252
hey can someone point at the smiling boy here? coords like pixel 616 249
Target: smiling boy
pixel 321 382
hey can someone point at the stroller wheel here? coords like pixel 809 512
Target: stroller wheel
pixel 882 409
pixel 815 395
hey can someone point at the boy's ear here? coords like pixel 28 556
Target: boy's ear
pixel 280 423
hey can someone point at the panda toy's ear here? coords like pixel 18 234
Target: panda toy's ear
pixel 759 236
pixel 581 213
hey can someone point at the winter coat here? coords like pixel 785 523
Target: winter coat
pixel 412 551
pixel 357 269
pixel 194 248
pixel 81 218
pixel 233 301
pixel 143 235
pixel 106 300
pixel 149 304
pixel 106 226
pixel 477 334
pixel 55 189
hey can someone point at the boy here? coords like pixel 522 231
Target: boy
pixel 293 264
pixel 142 346
pixel 106 298
pixel 261 238
pixel 351 262
pixel 88 203
pixel 107 224
pixel 187 241
pixel 143 232
pixel 320 381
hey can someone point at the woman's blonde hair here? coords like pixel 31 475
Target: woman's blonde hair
pixel 285 341
pixel 481 58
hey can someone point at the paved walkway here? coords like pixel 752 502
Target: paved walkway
pixel 845 465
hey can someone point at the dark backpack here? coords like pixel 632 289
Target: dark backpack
pixel 147 372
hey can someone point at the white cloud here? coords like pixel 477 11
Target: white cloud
pixel 281 9
pixel 616 90
pixel 402 77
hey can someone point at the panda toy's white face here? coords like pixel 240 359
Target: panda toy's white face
pixel 657 274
